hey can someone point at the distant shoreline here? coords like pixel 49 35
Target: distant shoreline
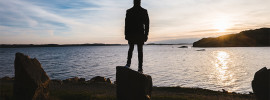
pixel 52 45
pixel 71 45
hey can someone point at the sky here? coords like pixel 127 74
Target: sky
pixel 102 21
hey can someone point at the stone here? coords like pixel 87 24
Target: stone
pixel 6 78
pixel 99 79
pixel 81 80
pixel 71 80
pixel 31 81
pixel 183 47
pixel 260 84
pixel 56 82
pixel 108 80
pixel 132 85
pixel 224 91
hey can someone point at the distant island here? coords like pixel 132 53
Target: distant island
pixel 53 45
pixel 70 45
pixel 249 38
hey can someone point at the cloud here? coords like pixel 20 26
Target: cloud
pixel 102 21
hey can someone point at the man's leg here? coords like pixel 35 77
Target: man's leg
pixel 140 57
pixel 130 51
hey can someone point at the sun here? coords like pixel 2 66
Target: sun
pixel 221 25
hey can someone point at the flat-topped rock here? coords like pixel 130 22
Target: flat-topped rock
pixel 31 81
pixel 132 85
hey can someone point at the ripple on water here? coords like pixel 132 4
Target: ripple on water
pixel 231 69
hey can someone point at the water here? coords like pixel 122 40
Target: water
pixel 231 69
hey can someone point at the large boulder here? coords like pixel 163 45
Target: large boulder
pixel 132 85
pixel 31 81
pixel 260 84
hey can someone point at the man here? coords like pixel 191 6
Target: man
pixel 136 31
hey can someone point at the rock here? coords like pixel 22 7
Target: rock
pixel 183 47
pixel 224 91
pixel 99 79
pixel 81 80
pixel 31 81
pixel 74 80
pixel 71 80
pixel 108 80
pixel 6 78
pixel 260 84
pixel 201 50
pixel 132 85
pixel 56 82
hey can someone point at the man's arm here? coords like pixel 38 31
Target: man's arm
pixel 126 25
pixel 146 26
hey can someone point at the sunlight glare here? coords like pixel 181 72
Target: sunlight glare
pixel 222 25
pixel 222 62
pixel 222 71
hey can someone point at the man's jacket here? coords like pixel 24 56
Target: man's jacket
pixel 136 25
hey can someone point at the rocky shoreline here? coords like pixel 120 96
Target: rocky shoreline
pixel 100 88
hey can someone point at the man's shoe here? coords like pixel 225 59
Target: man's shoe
pixel 140 71
pixel 127 65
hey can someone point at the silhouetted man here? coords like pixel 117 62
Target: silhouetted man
pixel 136 31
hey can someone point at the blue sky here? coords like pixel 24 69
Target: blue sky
pixel 102 21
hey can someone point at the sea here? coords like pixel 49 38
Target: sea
pixel 229 68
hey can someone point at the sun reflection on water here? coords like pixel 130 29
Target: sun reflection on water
pixel 221 64
pixel 222 71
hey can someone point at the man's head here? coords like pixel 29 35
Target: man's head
pixel 137 2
